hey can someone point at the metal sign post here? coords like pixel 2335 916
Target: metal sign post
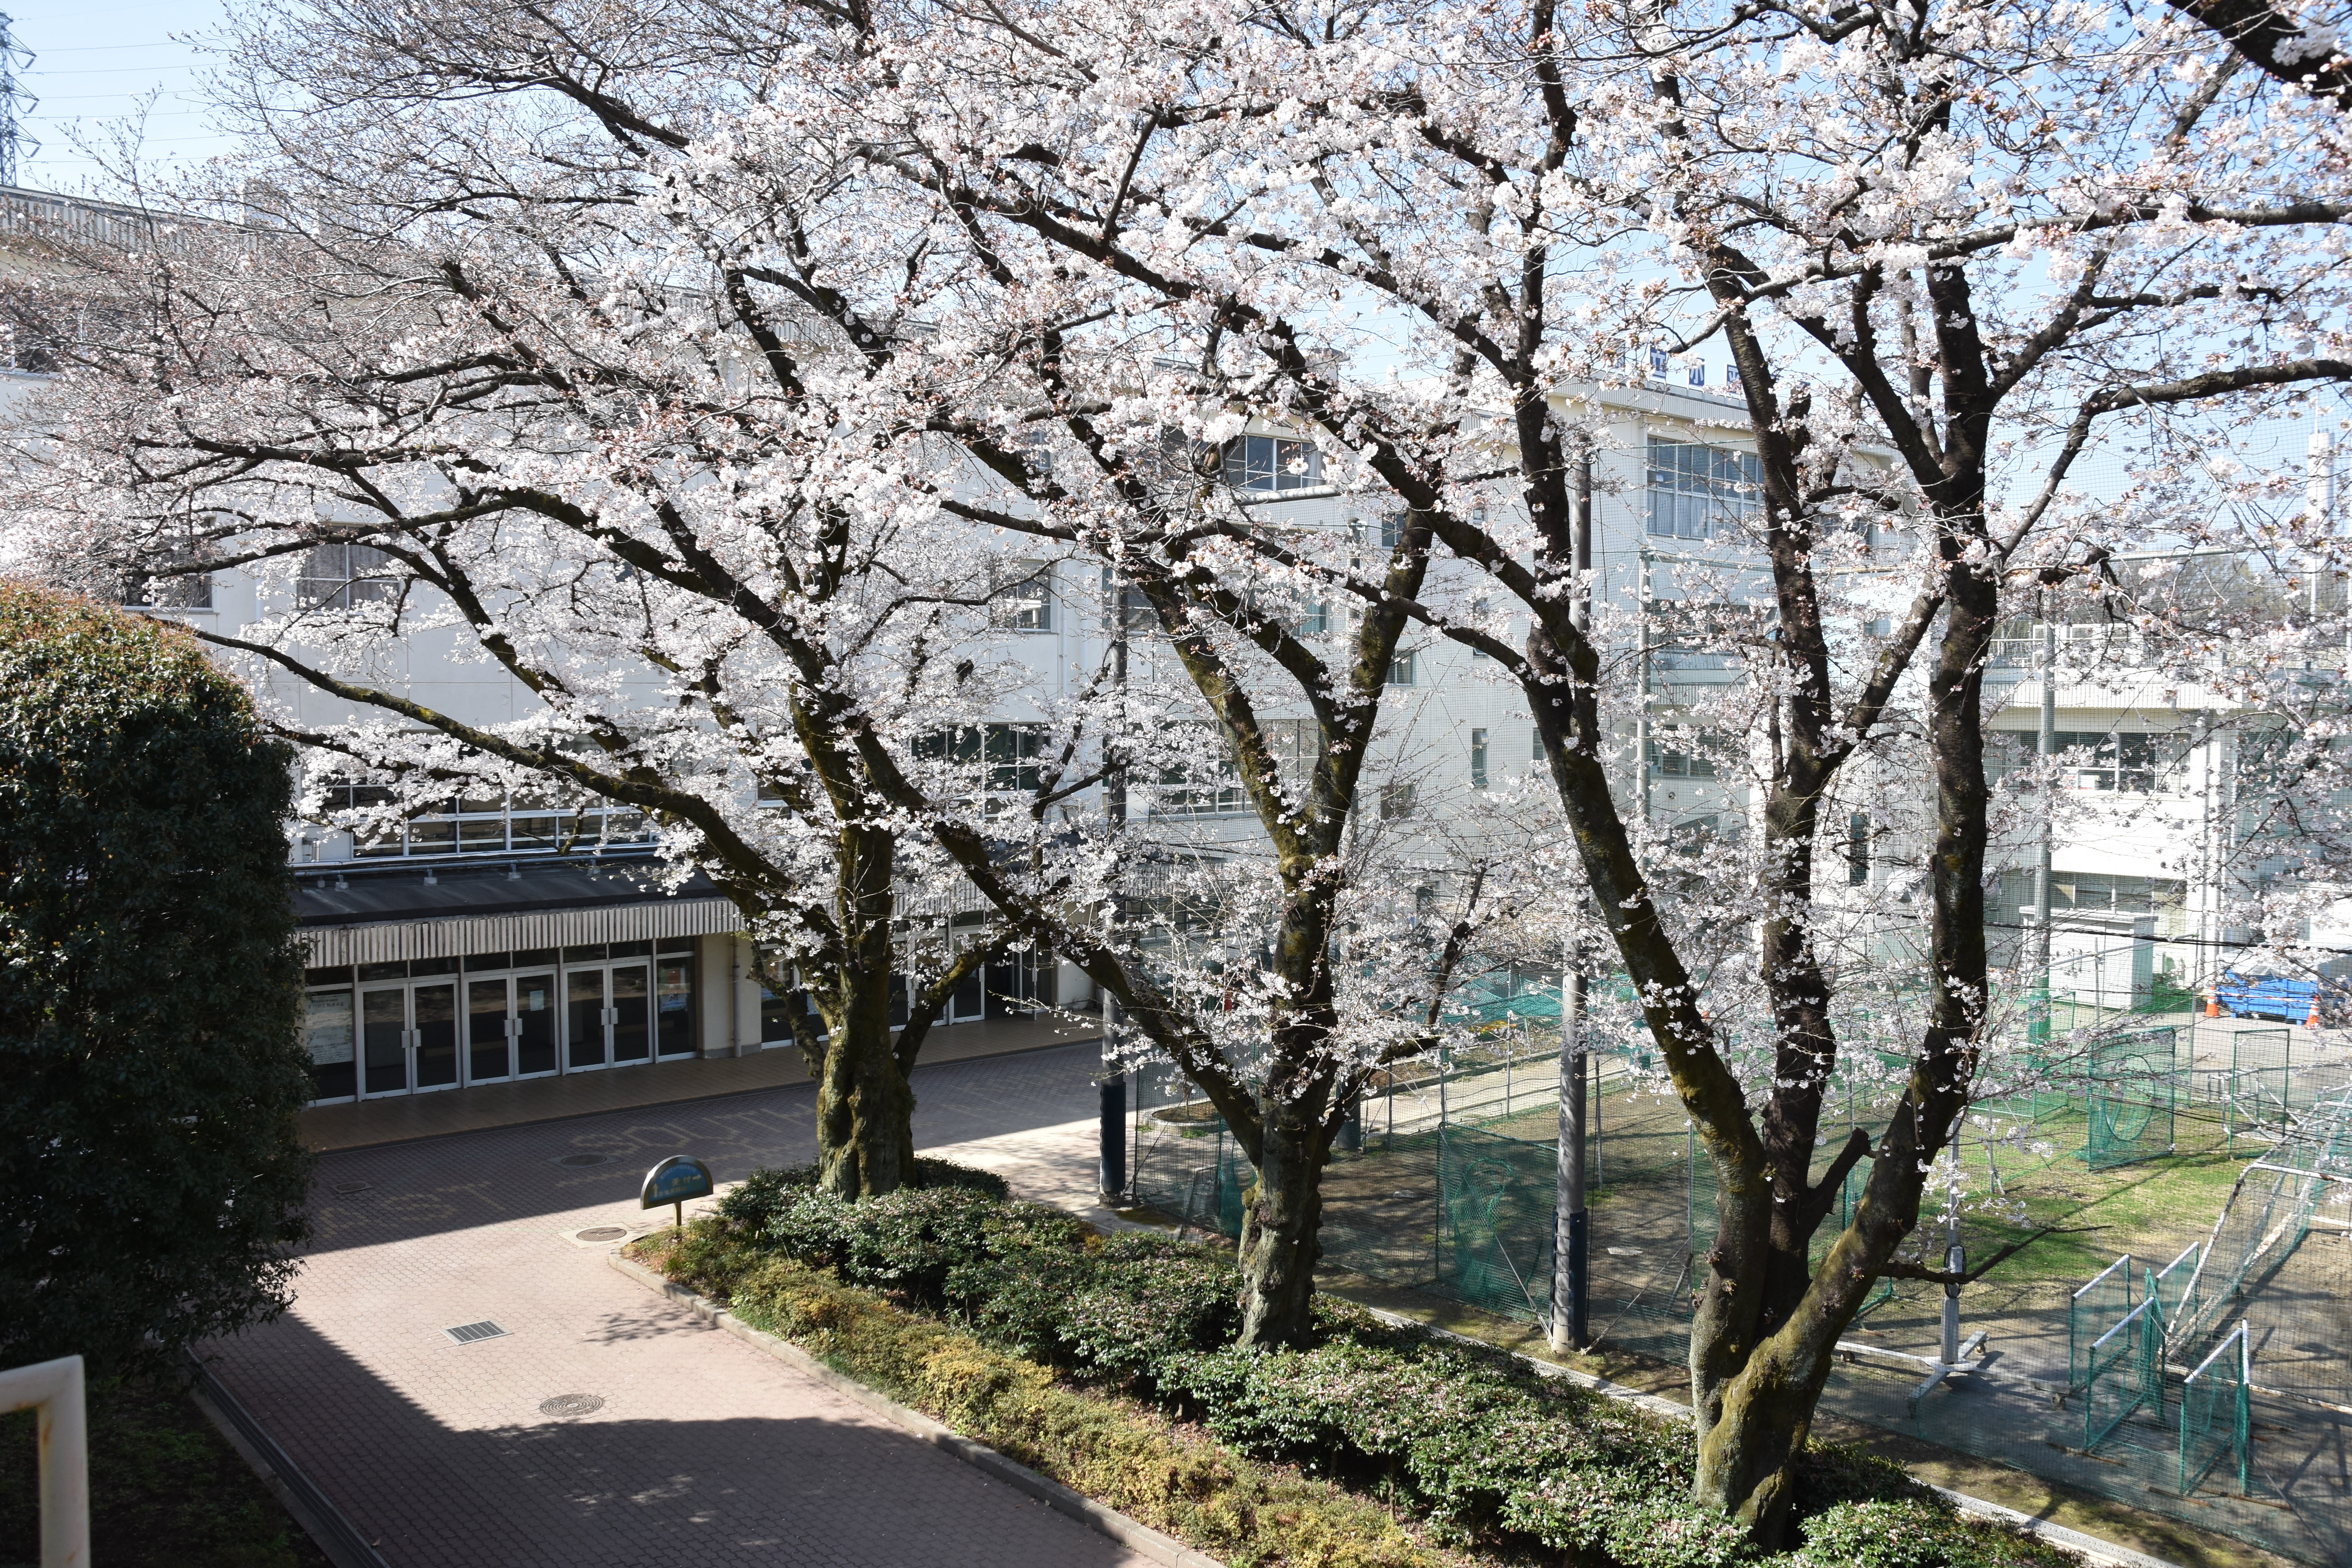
pixel 675 1180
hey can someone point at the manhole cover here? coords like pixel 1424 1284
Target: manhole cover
pixel 474 1333
pixel 351 1189
pixel 566 1404
pixel 577 1160
pixel 603 1233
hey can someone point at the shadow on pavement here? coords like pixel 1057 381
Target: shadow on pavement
pixel 623 1485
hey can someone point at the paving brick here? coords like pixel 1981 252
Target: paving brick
pixel 704 1452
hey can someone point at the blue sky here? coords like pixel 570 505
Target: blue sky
pixel 95 63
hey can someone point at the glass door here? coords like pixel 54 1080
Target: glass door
pixel 383 1039
pixel 327 1031
pixel 489 1032
pixel 584 1019
pixel 674 1007
pixel 435 1012
pixel 534 1021
pixel 632 1040
pixel 970 999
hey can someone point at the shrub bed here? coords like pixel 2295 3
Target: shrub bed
pixel 1080 1355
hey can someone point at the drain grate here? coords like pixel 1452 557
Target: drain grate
pixel 578 1161
pixel 474 1333
pixel 603 1233
pixel 565 1404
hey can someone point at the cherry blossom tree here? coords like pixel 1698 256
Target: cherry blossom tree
pixel 1948 251
pixel 458 377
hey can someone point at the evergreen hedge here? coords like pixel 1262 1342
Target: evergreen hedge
pixel 1481 1447
pixel 152 1183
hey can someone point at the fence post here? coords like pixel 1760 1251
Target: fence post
pixel 1111 1177
pixel 55 1389
pixel 1572 1272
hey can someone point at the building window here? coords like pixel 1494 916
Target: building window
pixel 183 591
pixel 1271 464
pixel 1857 850
pixel 1402 670
pixel 1207 785
pixel 2125 764
pixel 1480 610
pixel 1391 530
pixel 1673 763
pixel 1131 601
pixel 490 824
pixel 1535 745
pixel 1296 745
pixel 1477 759
pixel 338 576
pixel 1701 492
pixel 1025 602
pixel 2123 895
pixel 1396 802
pixel 1002 758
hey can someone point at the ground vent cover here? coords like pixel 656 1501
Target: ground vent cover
pixel 475 1333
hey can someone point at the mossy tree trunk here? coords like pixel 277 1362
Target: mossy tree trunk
pixel 864 1100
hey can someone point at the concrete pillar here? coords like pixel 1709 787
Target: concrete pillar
pixel 711 979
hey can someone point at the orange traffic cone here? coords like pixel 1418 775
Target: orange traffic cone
pixel 2213 1003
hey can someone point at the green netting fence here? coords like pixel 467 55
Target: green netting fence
pixel 2130 1091
pixel 1450 1190
pixel 2216 1413
pixel 2093 1313
pixel 1494 1206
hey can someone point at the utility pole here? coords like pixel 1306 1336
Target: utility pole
pixel 2037 1025
pixel 1572 1273
pixel 1112 1176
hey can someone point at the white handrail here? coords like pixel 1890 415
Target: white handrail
pixel 55 1389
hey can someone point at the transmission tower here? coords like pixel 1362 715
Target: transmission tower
pixel 16 104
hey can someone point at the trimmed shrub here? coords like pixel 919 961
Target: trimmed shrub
pixel 1119 1454
pixel 1912 1532
pixel 1476 1441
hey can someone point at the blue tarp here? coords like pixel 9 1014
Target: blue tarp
pixel 2267 997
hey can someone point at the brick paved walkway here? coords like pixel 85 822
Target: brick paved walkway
pixel 703 1453
pixel 405 1118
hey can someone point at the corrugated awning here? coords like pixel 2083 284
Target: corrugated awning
pixel 387 915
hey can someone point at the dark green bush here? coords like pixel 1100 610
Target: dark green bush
pixel 1922 1531
pixel 1119 1310
pixel 152 1177
pixel 756 1201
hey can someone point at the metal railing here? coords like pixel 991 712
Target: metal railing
pixel 54 1389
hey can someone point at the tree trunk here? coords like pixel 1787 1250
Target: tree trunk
pixel 1760 1419
pixel 864 1105
pixel 1282 1218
